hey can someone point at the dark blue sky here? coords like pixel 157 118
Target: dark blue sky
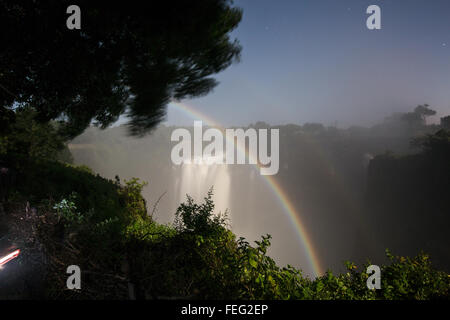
pixel 315 61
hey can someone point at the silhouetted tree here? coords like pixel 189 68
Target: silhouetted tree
pixel 417 118
pixel 127 57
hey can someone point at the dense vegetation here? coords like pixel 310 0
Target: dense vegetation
pixel 61 214
pixel 197 257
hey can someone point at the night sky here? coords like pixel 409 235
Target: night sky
pixel 316 61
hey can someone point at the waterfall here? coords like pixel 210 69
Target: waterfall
pixel 197 177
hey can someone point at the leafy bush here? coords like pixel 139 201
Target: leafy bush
pixel 40 180
pixel 107 232
pixel 67 210
pixel 202 259
pixel 131 193
pixel 199 218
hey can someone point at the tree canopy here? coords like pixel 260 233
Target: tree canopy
pixel 417 118
pixel 126 58
pixel 29 138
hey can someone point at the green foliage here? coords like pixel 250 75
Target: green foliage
pixel 403 279
pixel 192 217
pixel 260 277
pixel 67 210
pixel 84 168
pixel 30 138
pixel 106 226
pixel 135 203
pixel 413 278
pixel 39 180
pixel 188 262
pixel 148 230
pixel 198 258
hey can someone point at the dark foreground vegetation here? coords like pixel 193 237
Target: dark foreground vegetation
pixel 104 227
pixel 60 214
pixel 117 245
